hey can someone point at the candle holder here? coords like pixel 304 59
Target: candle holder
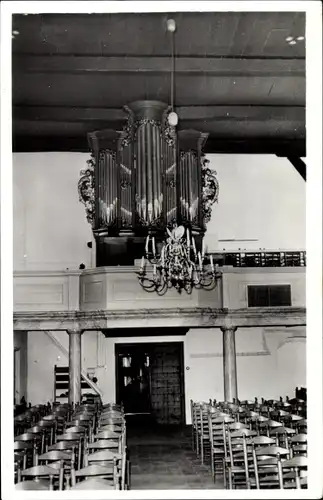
pixel 179 265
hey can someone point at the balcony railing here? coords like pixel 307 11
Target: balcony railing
pixel 260 259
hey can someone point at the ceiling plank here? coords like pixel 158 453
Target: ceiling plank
pixel 227 146
pixel 221 112
pixel 224 66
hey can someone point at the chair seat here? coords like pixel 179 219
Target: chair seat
pixel 32 485
pixel 236 469
pixel 55 455
pixel 93 484
pixel 22 445
pixel 93 470
pixel 69 436
pixel 107 435
pixel 297 461
pixel 63 445
pixel 267 470
pixel 104 444
pixel 40 470
pixel 28 436
pixel 217 451
pixel 104 455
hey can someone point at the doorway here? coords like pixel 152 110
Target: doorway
pixel 150 381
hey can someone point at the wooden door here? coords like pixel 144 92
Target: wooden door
pixel 166 386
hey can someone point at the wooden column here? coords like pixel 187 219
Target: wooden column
pixel 229 364
pixel 74 392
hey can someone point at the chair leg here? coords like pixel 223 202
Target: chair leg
pixel 128 475
pixel 212 466
pixel 193 438
pixel 202 449
pixel 230 479
pixel 197 442
pixel 224 474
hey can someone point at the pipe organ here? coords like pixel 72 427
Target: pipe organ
pixel 144 178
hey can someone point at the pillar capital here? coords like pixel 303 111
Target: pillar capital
pixel 75 331
pixel 227 328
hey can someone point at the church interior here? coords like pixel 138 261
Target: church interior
pixel 159 259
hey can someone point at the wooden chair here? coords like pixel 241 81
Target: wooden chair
pixel 267 426
pixel 43 433
pixel 217 436
pixel 107 458
pixel 74 437
pixel 298 444
pixel 51 428
pixel 108 472
pixel 203 431
pixel 26 449
pixel 267 466
pixel 300 425
pixel 281 435
pixel 257 422
pixel 18 465
pixel 57 456
pixel 42 472
pixel 74 449
pixel 34 440
pixel 236 460
pixel 298 466
pixel 105 444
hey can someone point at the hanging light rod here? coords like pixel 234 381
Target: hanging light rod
pixel 172 117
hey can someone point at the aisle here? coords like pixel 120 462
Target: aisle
pixel 162 458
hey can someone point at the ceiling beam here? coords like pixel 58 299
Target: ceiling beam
pixel 222 112
pixel 299 165
pixel 224 66
pixel 286 148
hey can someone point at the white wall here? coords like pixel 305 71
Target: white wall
pixel 270 362
pixel 49 225
pixel 261 197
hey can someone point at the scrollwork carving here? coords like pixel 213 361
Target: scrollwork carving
pixel 190 152
pixel 128 129
pixel 86 189
pixel 107 152
pixel 210 189
pixel 169 131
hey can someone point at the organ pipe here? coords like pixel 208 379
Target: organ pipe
pixel 147 176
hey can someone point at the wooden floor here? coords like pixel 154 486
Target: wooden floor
pixel 162 458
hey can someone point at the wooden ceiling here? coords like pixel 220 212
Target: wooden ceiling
pixel 236 77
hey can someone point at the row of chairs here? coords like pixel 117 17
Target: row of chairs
pixel 252 444
pixel 84 447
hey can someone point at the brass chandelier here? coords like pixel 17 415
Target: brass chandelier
pixel 178 265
